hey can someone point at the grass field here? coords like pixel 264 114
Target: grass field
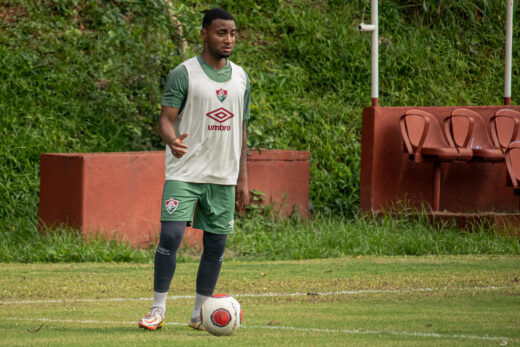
pixel 441 300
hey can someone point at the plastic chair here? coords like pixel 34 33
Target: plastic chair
pixel 504 126
pixel 424 141
pixel 512 156
pixel 466 129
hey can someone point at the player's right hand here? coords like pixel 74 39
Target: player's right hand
pixel 178 147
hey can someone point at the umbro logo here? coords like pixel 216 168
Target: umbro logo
pixel 220 115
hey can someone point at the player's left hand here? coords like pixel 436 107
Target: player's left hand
pixel 242 194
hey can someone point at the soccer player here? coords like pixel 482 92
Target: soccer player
pixel 203 123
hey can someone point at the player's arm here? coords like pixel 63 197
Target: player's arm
pixel 174 97
pixel 242 190
pixel 167 132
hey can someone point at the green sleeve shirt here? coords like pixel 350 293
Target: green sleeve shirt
pixel 176 89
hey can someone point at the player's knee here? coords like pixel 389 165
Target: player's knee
pixel 214 254
pixel 214 247
pixel 215 258
pixel 171 235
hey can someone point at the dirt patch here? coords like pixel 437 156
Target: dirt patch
pixel 12 13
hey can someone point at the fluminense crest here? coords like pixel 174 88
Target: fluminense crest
pixel 171 205
pixel 221 94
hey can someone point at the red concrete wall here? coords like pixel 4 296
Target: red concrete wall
pixel 119 194
pixel 389 177
pixel 61 194
pixel 277 173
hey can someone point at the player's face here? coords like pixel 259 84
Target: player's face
pixel 219 38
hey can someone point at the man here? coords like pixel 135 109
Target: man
pixel 203 123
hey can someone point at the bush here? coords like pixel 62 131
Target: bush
pixel 87 76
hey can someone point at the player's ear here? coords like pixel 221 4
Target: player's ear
pixel 203 33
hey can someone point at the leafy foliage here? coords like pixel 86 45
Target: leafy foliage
pixel 87 76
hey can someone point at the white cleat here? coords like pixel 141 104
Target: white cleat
pixel 154 320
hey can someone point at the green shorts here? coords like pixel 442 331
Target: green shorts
pixel 211 206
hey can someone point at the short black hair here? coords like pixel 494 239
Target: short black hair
pixel 215 13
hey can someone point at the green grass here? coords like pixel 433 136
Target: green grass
pixel 434 301
pixel 66 245
pixel 269 238
pixel 325 237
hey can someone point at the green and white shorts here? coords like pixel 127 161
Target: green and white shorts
pixel 210 206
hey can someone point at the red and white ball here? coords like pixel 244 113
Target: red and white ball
pixel 221 315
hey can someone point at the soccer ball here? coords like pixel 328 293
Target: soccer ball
pixel 221 315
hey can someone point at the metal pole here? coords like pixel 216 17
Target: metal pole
pixel 374 28
pixel 509 52
pixel 375 52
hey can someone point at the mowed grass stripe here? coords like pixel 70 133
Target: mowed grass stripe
pixel 251 295
pixel 343 331
pixel 94 280
pixel 372 302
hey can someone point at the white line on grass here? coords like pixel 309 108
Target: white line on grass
pixel 260 295
pixel 317 330
pixel 54 301
pixel 386 332
pixel 84 321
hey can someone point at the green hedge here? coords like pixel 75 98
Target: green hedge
pixel 87 76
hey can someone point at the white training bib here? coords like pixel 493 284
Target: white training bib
pixel 213 117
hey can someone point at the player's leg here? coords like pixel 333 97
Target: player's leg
pixel 178 203
pixel 208 273
pixel 166 260
pixel 164 269
pixel 214 215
